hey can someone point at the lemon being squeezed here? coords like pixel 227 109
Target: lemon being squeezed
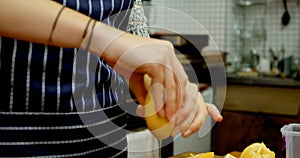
pixel 160 127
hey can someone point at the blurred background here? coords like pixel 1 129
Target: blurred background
pixel 259 45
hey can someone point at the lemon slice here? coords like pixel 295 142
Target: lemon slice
pixel 257 150
pixel 203 155
pixel 229 156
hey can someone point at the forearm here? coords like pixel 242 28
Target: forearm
pixel 33 20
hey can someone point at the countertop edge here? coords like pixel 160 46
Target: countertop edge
pixel 263 81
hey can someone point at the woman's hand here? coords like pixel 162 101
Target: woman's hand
pixel 193 112
pixel 134 56
pixel 175 97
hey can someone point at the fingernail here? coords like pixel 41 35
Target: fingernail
pixel 220 118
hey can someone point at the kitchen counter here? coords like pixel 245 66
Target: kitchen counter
pixel 188 154
pixel 255 109
pixel 263 94
pixel 263 81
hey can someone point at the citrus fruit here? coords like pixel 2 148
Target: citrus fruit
pixel 257 150
pixel 203 155
pixel 160 127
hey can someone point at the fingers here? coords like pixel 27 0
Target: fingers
pixel 172 77
pixel 157 90
pixel 197 122
pixel 203 112
pixel 174 83
pixel 140 111
pixel 170 85
pixel 187 110
pixel 181 82
pixel 180 74
pixel 214 112
pixel 175 96
pixel 138 88
pixel 158 94
pixel 188 122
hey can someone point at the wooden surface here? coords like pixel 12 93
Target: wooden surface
pixel 240 129
pixel 255 114
pixel 273 100
pixel 184 155
pixel 188 154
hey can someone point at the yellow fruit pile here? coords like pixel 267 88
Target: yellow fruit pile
pixel 203 155
pixel 257 150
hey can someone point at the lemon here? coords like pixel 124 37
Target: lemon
pixel 229 156
pixel 203 155
pixel 160 127
pixel 257 150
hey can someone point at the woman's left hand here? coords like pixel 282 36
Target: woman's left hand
pixel 193 112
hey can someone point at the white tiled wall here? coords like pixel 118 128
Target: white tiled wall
pixel 278 36
pixel 208 15
pixel 216 16
pixel 289 36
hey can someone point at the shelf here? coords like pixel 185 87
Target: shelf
pixel 250 2
pixel 251 34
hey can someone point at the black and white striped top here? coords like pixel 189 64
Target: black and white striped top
pixel 61 102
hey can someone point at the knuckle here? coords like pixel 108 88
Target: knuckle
pixel 194 87
pixel 167 47
pixel 185 114
pixel 168 44
pixel 184 80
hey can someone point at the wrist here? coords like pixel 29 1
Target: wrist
pixel 101 37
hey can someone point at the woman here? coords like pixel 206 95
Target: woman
pixel 55 103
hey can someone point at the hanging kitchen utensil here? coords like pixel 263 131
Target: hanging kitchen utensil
pixel 274 63
pixel 286 16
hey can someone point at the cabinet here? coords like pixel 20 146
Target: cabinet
pixel 255 114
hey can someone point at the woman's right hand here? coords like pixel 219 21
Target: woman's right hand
pixel 133 57
pixel 175 98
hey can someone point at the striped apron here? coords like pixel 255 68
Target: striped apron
pixel 60 102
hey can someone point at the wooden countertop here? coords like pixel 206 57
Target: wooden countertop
pixel 188 153
pixel 262 99
pixel 263 81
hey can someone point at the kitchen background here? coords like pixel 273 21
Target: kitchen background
pixel 252 35
pixel 224 19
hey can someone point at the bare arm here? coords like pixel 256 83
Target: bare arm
pixel 32 20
